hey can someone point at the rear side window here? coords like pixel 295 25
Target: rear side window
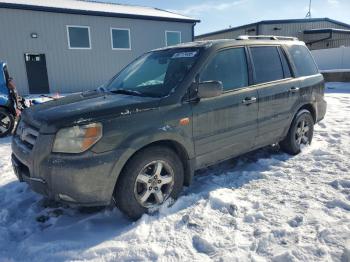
pixel 303 60
pixel 286 68
pixel 228 66
pixel 267 64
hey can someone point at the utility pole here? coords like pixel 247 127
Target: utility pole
pixel 308 14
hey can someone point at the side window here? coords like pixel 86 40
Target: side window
pixel 267 64
pixel 286 68
pixel 303 60
pixel 228 66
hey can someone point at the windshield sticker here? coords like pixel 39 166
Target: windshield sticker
pixel 184 54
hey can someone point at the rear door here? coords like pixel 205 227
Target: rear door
pixel 226 125
pixel 278 92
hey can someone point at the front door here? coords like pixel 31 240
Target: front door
pixel 37 73
pixel 226 125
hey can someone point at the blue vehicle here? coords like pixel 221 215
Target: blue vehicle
pixel 7 103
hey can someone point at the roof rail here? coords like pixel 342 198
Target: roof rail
pixel 269 37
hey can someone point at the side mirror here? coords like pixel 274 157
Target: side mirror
pixel 209 89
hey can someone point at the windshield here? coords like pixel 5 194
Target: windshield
pixel 156 73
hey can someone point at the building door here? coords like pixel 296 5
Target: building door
pixel 37 73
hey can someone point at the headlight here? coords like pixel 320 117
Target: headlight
pixel 77 139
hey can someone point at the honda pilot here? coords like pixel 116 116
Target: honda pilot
pixel 137 140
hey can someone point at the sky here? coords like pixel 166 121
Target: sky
pixel 217 15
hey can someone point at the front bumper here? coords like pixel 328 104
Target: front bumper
pixel 85 179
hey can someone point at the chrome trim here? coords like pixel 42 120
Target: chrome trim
pixel 269 37
pixel 26 133
pixel 37 180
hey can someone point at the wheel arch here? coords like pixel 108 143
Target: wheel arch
pixel 306 106
pixel 181 151
pixel 309 107
pixel 174 145
pixel 288 144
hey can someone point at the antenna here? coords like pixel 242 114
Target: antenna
pixel 308 14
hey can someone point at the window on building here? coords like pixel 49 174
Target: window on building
pixel 267 64
pixel 172 38
pixel 228 66
pixel 79 37
pixel 304 63
pixel 120 38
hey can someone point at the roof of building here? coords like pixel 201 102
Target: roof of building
pixel 326 30
pixel 284 21
pixel 96 9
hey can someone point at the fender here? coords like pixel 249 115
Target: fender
pixel 134 145
pixel 138 141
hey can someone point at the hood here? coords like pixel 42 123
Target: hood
pixel 85 107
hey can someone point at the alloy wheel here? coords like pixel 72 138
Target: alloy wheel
pixel 5 123
pixel 154 183
pixel 302 133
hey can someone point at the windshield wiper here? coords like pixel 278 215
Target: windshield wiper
pixel 127 92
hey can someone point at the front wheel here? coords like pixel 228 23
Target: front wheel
pixel 300 133
pixel 149 178
pixel 7 122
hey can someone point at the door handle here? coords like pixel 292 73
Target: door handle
pixel 294 89
pixel 249 100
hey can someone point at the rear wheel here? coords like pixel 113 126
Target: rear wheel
pixel 7 122
pixel 300 133
pixel 149 178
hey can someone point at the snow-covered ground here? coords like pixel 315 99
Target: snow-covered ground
pixel 263 206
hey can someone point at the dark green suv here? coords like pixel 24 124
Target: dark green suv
pixel 137 140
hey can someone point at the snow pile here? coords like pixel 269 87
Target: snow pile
pixel 262 206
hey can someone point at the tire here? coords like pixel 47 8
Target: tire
pixel 138 179
pixel 7 122
pixel 298 133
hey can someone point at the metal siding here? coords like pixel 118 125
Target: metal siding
pixel 290 29
pixel 295 29
pixel 229 34
pixel 76 70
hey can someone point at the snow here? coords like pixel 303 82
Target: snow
pixel 263 206
pixel 335 71
pixel 96 6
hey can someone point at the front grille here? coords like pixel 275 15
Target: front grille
pixel 27 134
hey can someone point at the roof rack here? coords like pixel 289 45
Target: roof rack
pixel 269 37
